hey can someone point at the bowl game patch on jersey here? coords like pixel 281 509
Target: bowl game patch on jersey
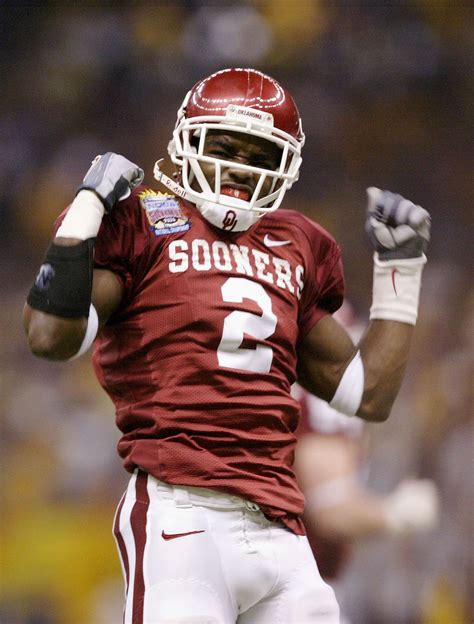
pixel 163 213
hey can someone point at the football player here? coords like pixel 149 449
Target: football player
pixel 205 301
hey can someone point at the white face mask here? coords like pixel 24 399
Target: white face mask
pixel 220 209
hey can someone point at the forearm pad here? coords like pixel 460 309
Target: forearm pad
pixel 63 285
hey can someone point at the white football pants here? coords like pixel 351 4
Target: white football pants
pixel 195 556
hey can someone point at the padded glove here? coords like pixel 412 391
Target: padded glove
pixel 112 177
pixel 398 228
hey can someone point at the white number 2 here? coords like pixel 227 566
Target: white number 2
pixel 238 324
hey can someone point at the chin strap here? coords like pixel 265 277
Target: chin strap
pixel 169 183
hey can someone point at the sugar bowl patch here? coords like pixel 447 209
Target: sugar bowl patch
pixel 163 212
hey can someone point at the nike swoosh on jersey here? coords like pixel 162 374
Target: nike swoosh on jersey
pixel 170 536
pixel 269 242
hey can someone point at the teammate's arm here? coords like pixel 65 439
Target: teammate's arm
pixel 339 506
pixel 336 505
pixel 365 380
pixel 69 301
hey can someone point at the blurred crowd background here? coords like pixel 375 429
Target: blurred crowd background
pixel 385 91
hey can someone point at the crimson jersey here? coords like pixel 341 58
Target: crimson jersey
pixel 200 356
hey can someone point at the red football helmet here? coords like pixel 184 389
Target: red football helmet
pixel 245 101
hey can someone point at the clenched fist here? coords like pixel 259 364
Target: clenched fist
pixel 398 228
pixel 112 178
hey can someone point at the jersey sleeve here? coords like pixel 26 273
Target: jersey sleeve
pixel 323 292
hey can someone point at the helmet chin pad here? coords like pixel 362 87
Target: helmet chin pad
pixel 235 216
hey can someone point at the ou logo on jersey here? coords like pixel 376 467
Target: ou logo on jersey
pixel 229 221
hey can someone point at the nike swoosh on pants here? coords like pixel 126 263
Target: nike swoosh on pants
pixel 170 536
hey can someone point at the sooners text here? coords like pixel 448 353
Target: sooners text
pixel 202 257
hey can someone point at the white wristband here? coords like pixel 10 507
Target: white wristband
pixel 396 289
pixel 83 218
pixel 91 333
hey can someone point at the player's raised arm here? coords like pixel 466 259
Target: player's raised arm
pixel 69 300
pixel 365 380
